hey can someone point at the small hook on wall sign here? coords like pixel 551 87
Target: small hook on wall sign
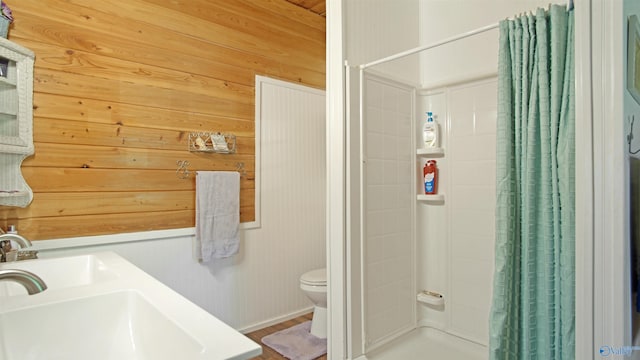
pixel 240 168
pixel 182 172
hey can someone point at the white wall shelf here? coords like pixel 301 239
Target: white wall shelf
pixel 16 121
pixel 6 84
pixel 17 193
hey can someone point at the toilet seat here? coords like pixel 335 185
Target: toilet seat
pixel 316 277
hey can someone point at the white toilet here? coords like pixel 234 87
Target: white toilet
pixel 314 285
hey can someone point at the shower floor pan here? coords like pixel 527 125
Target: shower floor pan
pixel 428 343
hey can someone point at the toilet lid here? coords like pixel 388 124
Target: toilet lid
pixel 315 277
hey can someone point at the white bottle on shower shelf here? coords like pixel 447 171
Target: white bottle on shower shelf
pixel 430 132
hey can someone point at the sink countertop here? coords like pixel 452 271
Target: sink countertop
pixel 215 339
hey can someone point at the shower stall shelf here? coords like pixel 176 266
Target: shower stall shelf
pixel 430 298
pixel 430 197
pixel 430 152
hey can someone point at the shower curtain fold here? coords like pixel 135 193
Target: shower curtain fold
pixel 533 307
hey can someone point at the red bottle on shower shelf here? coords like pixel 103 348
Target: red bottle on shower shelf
pixel 430 173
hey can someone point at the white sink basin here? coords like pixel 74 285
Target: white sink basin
pixel 102 307
pixel 121 325
pixel 59 273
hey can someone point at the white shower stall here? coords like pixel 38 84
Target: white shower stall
pixel 414 248
pixel 406 249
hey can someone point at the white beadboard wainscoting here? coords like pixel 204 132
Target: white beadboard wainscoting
pixel 259 286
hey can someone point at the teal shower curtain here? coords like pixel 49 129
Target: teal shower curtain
pixel 533 308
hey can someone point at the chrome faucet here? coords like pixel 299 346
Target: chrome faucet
pixel 5 246
pixel 32 282
pixel 21 240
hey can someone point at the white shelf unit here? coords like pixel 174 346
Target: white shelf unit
pixel 16 121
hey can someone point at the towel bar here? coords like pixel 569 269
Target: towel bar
pixel 182 172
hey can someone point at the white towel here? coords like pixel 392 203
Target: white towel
pixel 217 214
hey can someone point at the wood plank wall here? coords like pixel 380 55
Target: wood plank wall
pixel 118 86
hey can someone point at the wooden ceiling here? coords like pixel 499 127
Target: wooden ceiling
pixel 316 6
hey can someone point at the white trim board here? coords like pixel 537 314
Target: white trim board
pixel 337 338
pixel 275 320
pixel 584 218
